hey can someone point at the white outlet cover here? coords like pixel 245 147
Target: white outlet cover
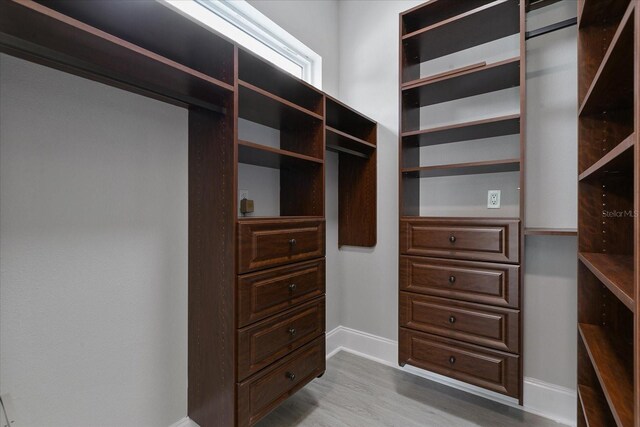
pixel 493 199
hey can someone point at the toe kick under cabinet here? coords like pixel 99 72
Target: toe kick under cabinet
pixel 460 300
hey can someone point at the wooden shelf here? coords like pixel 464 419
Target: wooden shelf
pixel 479 129
pixel 539 4
pixel 73 46
pixel 344 143
pixel 542 231
pixel 275 158
pixel 259 73
pixel 615 272
pixel 612 85
pixel 619 160
pixel 598 11
pixel 493 77
pixel 594 408
pixel 614 378
pixel 462 31
pixel 472 168
pixel 349 122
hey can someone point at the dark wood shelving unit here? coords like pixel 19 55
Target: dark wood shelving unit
pixel 434 251
pixel 615 272
pixel 471 168
pixel 461 26
pixel 354 136
pixel 617 161
pixel 596 412
pixel 147 48
pixel 546 231
pixel 612 85
pixel 477 129
pixel 490 78
pixel 261 155
pixel 608 334
pixel 67 44
pixel 615 379
pixel 342 142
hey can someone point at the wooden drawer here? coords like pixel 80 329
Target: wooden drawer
pixel 267 341
pixel 474 323
pixel 486 283
pixel 269 243
pixel 269 292
pixel 491 369
pixel 263 392
pixel 482 239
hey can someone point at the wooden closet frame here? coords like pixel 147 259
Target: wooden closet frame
pixel 608 181
pixel 148 49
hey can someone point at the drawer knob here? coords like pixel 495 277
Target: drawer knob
pixel 292 287
pixel 292 242
pixel 291 376
pixel 452 238
pixel 452 319
pixel 452 279
pixel 452 360
pixel 292 331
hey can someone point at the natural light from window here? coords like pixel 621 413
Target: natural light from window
pixel 245 25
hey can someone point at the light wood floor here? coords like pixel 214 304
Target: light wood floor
pixel 357 392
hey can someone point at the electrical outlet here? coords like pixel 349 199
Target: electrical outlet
pixel 493 199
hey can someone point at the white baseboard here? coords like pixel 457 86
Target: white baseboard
pixel 540 398
pixel 185 422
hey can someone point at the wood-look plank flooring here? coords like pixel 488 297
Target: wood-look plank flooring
pixel 356 392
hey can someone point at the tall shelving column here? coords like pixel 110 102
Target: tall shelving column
pixel 459 271
pixel 607 213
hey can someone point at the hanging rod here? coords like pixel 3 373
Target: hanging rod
pixel 551 28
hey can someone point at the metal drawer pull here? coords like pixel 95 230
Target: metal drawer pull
pixel 452 360
pixel 452 279
pixel 452 319
pixel 292 242
pixel 292 331
pixel 292 287
pixel 452 238
pixel 291 376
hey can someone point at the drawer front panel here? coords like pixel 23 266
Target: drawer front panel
pixel 476 365
pixel 263 244
pixel 486 283
pixel 263 392
pixel 267 341
pixel 272 291
pixel 475 239
pixel 474 323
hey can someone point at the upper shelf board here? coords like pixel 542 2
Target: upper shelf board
pixel 479 129
pixel 493 77
pixel 472 168
pixel 462 31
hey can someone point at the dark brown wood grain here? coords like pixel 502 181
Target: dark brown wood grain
pixel 487 283
pixel 260 394
pixel 211 319
pixel 264 243
pixel 267 341
pixel 481 239
pixel 272 291
pixel 74 46
pixel 494 370
pixel 480 324
pixel 357 200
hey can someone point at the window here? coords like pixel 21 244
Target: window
pixel 245 25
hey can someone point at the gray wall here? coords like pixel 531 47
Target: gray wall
pixel 93 252
pixel 369 81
